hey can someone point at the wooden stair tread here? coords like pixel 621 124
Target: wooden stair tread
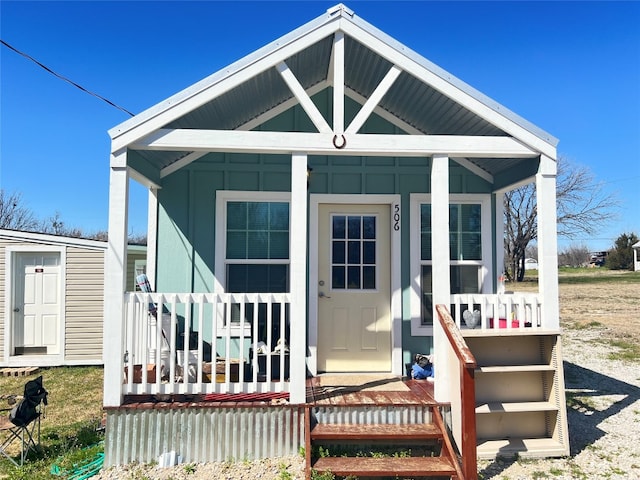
pixel 515 407
pixel 523 447
pixel 515 368
pixel 324 431
pixel 384 467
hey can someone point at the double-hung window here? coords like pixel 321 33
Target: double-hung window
pixel 254 254
pixel 469 252
pixel 257 246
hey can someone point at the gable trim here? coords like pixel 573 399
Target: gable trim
pixel 216 84
pixel 452 87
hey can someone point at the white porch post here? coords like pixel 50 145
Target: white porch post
pixel 298 280
pixel 441 285
pixel 499 243
pixel 115 280
pixel 152 236
pixel 548 242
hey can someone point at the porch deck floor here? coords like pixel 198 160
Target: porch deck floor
pixel 419 392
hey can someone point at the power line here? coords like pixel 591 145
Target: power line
pixel 61 77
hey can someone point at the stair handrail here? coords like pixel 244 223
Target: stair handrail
pixel 468 364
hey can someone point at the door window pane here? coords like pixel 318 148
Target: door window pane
pixel 338 280
pixel 369 253
pixel 354 224
pixel 353 278
pixel 338 253
pixel 338 229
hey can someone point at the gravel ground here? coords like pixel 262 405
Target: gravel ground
pixel 603 408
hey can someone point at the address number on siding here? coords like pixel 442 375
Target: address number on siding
pixel 396 217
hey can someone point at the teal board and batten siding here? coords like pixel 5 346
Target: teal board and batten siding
pixel 186 212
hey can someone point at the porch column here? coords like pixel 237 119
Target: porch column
pixel 498 245
pixel 548 242
pixel 298 279
pixel 115 280
pixel 152 236
pixel 441 285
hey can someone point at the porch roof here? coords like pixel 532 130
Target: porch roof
pixel 423 99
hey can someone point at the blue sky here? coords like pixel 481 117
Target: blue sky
pixel 571 68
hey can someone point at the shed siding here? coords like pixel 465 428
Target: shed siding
pixel 84 304
pixel 3 284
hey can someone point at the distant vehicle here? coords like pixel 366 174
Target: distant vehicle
pixel 530 264
pixel 597 259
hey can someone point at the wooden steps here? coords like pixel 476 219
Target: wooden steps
pixel 378 432
pixel 402 450
pixel 520 395
pixel 386 467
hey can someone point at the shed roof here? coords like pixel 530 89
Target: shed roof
pixel 51 239
pixel 424 99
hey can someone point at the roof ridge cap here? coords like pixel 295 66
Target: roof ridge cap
pixel 340 9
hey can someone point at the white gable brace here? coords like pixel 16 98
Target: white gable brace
pixel 195 140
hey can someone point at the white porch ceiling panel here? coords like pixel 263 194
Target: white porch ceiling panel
pixel 415 102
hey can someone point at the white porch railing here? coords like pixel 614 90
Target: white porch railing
pixel 510 311
pixel 164 362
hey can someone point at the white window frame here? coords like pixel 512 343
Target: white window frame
pixel 220 272
pixel 485 271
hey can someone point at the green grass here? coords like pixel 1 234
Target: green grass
pixel 572 276
pixel 596 276
pixel 68 428
pixel 586 326
pixel 626 351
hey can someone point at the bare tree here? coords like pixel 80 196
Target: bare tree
pixel 14 215
pixel 56 226
pixel 574 256
pixel 582 207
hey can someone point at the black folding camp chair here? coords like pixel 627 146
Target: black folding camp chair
pixel 23 421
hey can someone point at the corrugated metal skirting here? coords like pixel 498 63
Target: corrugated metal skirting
pixel 373 414
pixel 204 434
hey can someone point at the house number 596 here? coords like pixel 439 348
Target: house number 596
pixel 396 217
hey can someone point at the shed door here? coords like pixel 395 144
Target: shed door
pixel 354 308
pixel 36 307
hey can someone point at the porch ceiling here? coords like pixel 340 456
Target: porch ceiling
pixel 411 103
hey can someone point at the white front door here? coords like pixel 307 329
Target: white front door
pixel 36 304
pixel 354 288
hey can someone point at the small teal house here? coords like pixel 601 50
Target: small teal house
pixel 313 203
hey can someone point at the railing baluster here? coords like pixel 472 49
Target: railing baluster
pixel 269 339
pixel 153 340
pixel 200 359
pixel 254 349
pixel 523 308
